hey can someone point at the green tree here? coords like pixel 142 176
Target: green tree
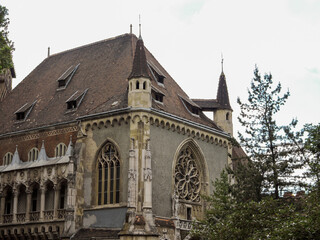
pixel 6 46
pixel 312 145
pixel 268 147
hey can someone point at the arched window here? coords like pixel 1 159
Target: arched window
pixel 60 150
pixel 227 116
pixel 187 176
pixel 144 85
pixel 33 154
pixel 7 159
pixel 137 85
pixel 108 165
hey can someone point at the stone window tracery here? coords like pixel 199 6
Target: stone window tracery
pixel 60 150
pixel 108 175
pixel 187 176
pixel 7 159
pixel 33 154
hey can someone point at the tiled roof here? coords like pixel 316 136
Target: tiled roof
pixel 222 101
pixel 222 94
pixel 140 67
pixel 95 233
pixel 104 69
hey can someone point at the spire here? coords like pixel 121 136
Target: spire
pixel 70 148
pixel 140 27
pixel 222 94
pixel 140 67
pixel 42 153
pixel 16 158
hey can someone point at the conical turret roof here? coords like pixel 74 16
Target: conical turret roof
pixel 140 67
pixel 222 94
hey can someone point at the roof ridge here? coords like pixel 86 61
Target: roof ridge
pixel 91 44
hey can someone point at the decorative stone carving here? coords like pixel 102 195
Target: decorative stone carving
pixel 175 204
pixel 132 174
pixel 147 174
pixel 187 176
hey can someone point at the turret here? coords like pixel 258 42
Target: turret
pixel 223 113
pixel 139 94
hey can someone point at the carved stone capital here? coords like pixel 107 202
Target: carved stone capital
pixel 132 174
pixel 147 174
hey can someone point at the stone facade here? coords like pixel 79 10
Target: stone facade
pixel 135 171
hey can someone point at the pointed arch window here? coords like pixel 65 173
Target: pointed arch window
pixel 187 176
pixel 33 154
pixel 7 159
pixel 60 150
pixel 108 165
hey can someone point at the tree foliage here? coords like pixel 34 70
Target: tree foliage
pixel 266 143
pixel 226 218
pixel 6 46
pixel 241 205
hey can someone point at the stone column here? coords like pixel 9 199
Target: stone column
pixel 15 205
pixel 56 201
pixel 132 174
pixel 28 207
pixel 2 203
pixel 147 203
pixel 42 201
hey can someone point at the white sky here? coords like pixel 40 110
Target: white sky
pixel 187 37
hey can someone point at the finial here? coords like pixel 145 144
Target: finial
pixel 221 62
pixel 48 51
pixel 139 26
pixel 130 28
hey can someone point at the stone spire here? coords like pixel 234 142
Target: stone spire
pixel 140 67
pixel 15 159
pixel 222 94
pixel 70 148
pixel 42 154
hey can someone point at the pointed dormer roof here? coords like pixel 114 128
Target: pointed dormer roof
pixel 42 154
pixel 70 148
pixel 16 159
pixel 140 66
pixel 222 94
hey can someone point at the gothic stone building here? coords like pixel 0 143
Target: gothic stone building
pixel 99 142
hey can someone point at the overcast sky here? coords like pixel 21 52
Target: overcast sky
pixel 187 37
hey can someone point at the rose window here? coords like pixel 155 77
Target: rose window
pixel 187 183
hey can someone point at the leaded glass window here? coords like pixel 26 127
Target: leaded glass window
pixel 187 176
pixel 108 175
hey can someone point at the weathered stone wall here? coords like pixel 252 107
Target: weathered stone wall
pixel 89 147
pixel 164 145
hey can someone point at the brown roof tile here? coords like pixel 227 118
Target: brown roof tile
pixel 222 94
pixel 104 69
pixel 140 67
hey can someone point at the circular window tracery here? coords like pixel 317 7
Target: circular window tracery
pixel 187 176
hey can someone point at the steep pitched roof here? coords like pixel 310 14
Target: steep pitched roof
pixel 103 69
pixel 222 94
pixel 222 100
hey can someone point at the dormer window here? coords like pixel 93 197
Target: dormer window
pixel 66 77
pixel 23 112
pixel 75 100
pixel 157 95
pixel 192 107
pixel 156 73
pixel 20 115
pixel 72 104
